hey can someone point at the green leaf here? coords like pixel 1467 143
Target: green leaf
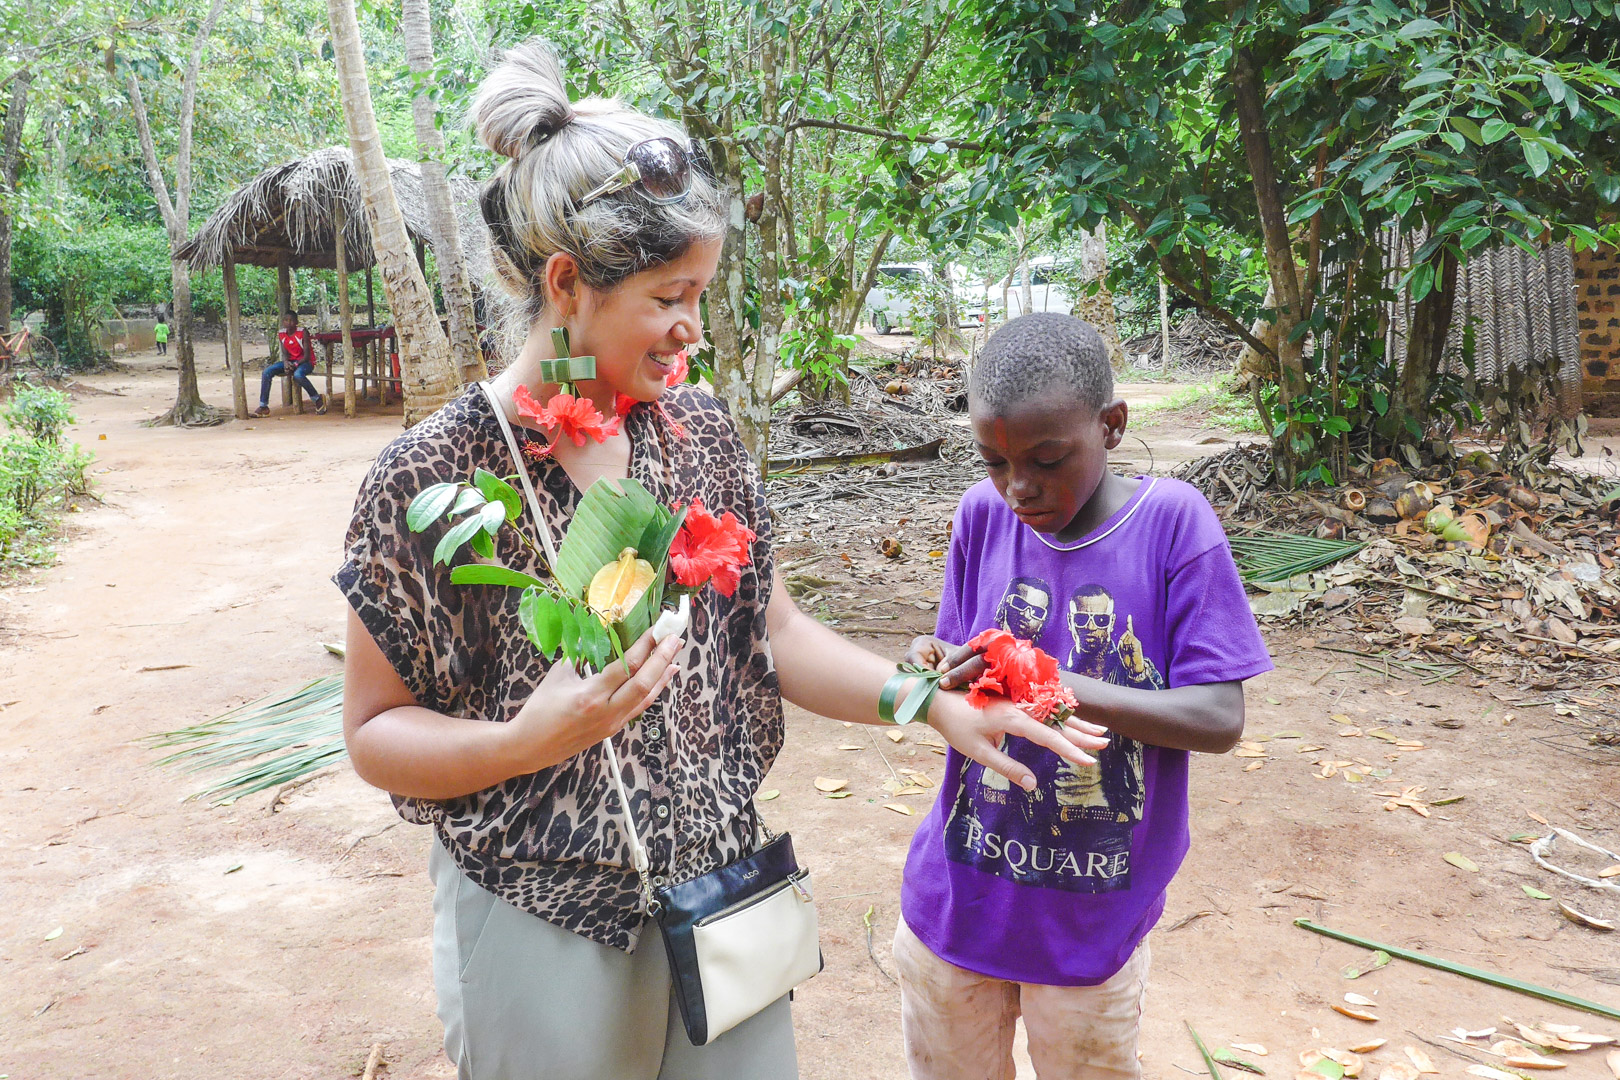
pixel 612 516
pixel 471 499
pixel 492 516
pixel 1534 893
pixel 480 574
pixel 1495 130
pixel 1329 1068
pixel 1556 89
pixel 540 615
pixel 1427 77
pixel 1405 138
pixel 497 490
pixel 458 534
pixel 429 505
pixel 1421 280
pixel 1469 129
pixel 1535 155
pixel 1453 140
pixel 1420 28
pixel 483 544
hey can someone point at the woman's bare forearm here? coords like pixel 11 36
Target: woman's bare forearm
pixel 826 673
pixel 403 748
pixel 424 754
pixel 1207 718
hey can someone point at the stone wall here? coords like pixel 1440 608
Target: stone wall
pixel 1597 296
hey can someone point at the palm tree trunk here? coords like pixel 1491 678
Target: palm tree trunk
pixel 453 277
pixel 10 166
pixel 429 377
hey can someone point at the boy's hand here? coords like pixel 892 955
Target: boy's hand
pixel 979 734
pixel 927 651
pixel 961 664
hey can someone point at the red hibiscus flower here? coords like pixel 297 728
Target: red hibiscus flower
pixel 623 403
pixel 678 376
pixel 1017 670
pixel 708 548
pixel 574 418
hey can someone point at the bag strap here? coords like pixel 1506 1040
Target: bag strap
pixel 638 851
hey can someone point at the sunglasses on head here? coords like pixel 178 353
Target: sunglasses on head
pixel 659 169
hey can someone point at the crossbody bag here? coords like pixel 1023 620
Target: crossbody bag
pixel 740 936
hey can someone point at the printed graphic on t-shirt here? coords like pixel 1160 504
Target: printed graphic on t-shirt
pixel 1073 832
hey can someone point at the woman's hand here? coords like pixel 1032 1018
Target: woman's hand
pixel 980 733
pixel 961 663
pixel 568 713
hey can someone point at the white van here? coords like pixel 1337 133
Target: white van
pixel 1046 294
pixel 888 304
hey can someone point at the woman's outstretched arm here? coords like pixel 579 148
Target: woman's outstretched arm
pixel 403 748
pixel 826 673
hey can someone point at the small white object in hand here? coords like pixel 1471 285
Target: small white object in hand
pixel 674 622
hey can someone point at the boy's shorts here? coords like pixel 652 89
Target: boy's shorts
pixel 958 1024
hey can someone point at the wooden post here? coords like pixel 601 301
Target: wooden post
pixel 371 302
pixel 283 308
pixel 233 338
pixel 351 390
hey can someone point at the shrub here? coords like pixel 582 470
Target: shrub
pixel 38 472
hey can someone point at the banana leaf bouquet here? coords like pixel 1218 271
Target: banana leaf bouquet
pixel 627 563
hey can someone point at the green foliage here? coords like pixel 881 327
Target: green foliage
pixel 612 516
pixel 1473 125
pixel 40 412
pixel 38 473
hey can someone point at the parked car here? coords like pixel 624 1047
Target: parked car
pixel 898 285
pixel 1046 293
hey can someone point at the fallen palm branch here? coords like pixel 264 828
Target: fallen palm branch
pixel 1503 981
pixel 1274 556
pixel 269 742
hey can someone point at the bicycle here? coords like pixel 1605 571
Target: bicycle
pixel 26 346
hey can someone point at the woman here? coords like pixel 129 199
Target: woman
pixel 447 706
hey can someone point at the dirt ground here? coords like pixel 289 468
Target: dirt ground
pixel 146 936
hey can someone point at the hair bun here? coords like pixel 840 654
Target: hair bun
pixel 523 101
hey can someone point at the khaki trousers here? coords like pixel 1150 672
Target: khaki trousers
pixel 522 999
pixel 959 1025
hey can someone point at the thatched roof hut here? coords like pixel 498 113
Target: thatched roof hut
pixel 289 217
pixel 285 217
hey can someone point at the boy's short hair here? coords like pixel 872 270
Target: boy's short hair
pixel 1033 353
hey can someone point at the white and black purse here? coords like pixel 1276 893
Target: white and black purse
pixel 740 936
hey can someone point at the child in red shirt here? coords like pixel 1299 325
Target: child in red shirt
pixel 300 353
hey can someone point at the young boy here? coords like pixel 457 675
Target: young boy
pixel 160 335
pixel 1037 902
pixel 300 353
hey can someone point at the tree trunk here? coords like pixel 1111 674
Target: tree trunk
pixel 1426 344
pixel 233 338
pixel 1247 95
pixel 429 376
pixel 189 409
pixel 753 412
pixel 351 392
pixel 1164 322
pixel 10 166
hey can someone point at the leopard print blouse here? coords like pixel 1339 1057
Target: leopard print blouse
pixel 551 842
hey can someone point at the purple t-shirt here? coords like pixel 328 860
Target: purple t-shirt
pixel 1059 885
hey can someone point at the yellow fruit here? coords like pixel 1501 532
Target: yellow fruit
pixel 619 585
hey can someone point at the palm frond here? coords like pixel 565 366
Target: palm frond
pixel 1274 556
pixel 269 742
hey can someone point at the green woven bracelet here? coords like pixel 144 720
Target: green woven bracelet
pixel 916 703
